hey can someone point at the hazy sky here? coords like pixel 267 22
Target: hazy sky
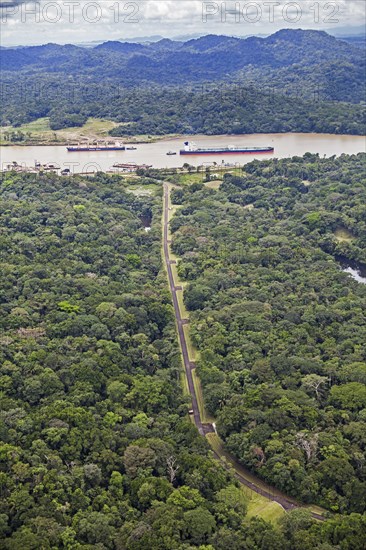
pixel 74 21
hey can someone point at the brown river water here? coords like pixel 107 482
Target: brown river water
pixel 285 145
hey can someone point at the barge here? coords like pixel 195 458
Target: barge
pixel 131 166
pixel 97 147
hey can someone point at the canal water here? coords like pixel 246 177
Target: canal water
pixel 285 145
pixel 356 270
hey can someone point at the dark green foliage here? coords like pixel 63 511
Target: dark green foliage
pixel 97 450
pixel 304 81
pixel 304 63
pixel 92 410
pixel 65 120
pixel 280 328
pixel 221 109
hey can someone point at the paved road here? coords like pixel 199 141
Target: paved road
pixel 180 322
pixel 265 490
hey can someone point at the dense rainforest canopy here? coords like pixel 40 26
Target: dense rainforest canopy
pixel 97 450
pixel 158 110
pixel 280 328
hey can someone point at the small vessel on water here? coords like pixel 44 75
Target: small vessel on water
pixel 131 148
pixel 190 148
pixel 96 147
pixel 171 153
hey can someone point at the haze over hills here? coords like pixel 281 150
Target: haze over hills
pixel 354 33
pixel 301 47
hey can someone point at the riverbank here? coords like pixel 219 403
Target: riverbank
pixel 39 133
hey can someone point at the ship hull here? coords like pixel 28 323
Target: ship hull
pixel 226 151
pixel 94 149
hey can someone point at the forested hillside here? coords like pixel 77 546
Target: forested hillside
pixel 231 109
pixel 281 330
pixel 209 58
pixel 256 85
pixel 209 109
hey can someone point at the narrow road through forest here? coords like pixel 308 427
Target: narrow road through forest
pixel 261 488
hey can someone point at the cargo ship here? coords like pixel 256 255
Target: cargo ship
pixel 191 149
pixel 113 147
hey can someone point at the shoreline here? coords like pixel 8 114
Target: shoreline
pixel 168 137
pixel 65 143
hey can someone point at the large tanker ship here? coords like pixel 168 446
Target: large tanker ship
pixel 191 149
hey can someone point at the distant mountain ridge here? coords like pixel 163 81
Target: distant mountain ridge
pixel 306 64
pixel 279 49
pixel 303 57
